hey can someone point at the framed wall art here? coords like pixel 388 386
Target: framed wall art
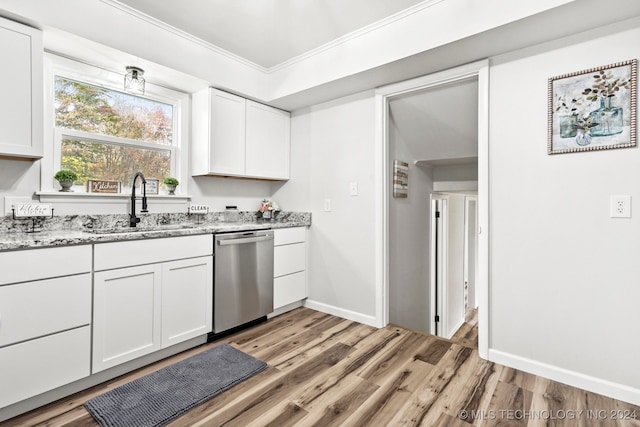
pixel 594 109
pixel 400 179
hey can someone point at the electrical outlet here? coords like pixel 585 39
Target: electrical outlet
pixel 620 206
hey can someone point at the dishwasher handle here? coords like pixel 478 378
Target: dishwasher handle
pixel 226 242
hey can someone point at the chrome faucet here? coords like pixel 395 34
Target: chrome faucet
pixel 133 219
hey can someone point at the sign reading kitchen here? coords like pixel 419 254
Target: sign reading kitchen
pixel 100 186
pixel 28 210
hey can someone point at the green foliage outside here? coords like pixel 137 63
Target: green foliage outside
pixel 93 109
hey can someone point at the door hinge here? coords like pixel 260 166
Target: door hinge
pixel 437 214
pixel 437 318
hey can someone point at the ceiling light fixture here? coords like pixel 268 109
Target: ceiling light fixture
pixel 133 80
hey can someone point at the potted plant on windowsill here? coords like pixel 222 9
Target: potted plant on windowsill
pixel 171 184
pixel 66 178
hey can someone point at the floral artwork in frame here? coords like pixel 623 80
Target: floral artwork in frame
pixel 400 179
pixel 594 109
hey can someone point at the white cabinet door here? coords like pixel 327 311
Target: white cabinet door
pixel 187 299
pixel 218 133
pixel 36 366
pixel 34 309
pixel 289 265
pixel 22 90
pixel 267 142
pixel 227 128
pixel 289 259
pixel 126 314
pixel 289 289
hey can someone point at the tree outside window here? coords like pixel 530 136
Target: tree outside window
pixel 114 134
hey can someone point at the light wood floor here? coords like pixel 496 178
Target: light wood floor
pixel 325 371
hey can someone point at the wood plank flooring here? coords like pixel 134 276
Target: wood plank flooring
pixel 327 371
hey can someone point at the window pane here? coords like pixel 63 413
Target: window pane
pixel 81 106
pixel 94 160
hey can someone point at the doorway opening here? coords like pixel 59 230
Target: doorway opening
pixel 439 162
pixel 452 262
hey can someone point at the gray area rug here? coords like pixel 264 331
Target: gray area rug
pixel 164 395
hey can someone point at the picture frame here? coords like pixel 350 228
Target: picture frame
pixel 400 179
pixel 593 109
pixel 103 186
pixel 153 186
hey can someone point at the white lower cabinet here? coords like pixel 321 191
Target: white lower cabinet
pixel 141 309
pixel 187 299
pixel 126 314
pixel 45 320
pixel 35 366
pixel 289 269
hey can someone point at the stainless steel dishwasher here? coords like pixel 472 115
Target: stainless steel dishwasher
pixel 243 278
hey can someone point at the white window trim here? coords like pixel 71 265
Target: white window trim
pixel 57 65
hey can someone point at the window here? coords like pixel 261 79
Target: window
pixel 103 133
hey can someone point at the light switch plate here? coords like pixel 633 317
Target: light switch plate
pixel 353 188
pixel 327 205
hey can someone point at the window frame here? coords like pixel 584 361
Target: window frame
pixel 56 65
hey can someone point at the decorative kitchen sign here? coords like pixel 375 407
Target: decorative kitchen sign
pixel 31 210
pixel 152 186
pixel 101 186
pixel 400 179
pixel 198 209
pixel 594 109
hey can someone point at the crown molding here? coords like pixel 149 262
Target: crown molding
pixel 296 59
pixel 355 34
pixel 176 31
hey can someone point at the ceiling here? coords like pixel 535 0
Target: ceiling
pixel 269 32
pixel 438 123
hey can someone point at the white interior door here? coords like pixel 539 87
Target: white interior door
pixel 447 263
pixel 471 251
pixel 438 262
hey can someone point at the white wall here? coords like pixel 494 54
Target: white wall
pixel 564 276
pixel 332 147
pixel 409 240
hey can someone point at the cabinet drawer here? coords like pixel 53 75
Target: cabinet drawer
pixel 289 259
pixel 288 289
pixel 33 309
pixel 148 251
pixel 33 367
pixel 35 264
pixel 286 236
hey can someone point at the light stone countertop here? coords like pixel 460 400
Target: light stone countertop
pixel 89 229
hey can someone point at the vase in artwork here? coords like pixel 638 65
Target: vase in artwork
pixel 568 125
pixel 583 137
pixel 608 117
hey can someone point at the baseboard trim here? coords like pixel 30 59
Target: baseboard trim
pixel 566 376
pixel 341 312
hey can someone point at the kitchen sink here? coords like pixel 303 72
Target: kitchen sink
pixel 119 230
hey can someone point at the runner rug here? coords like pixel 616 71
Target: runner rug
pixel 162 396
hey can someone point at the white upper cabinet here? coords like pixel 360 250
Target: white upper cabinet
pixel 22 91
pixel 233 136
pixel 267 142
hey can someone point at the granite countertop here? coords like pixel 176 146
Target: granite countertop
pixel 88 229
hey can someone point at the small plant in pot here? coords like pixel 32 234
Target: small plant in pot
pixel 66 179
pixel 171 184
